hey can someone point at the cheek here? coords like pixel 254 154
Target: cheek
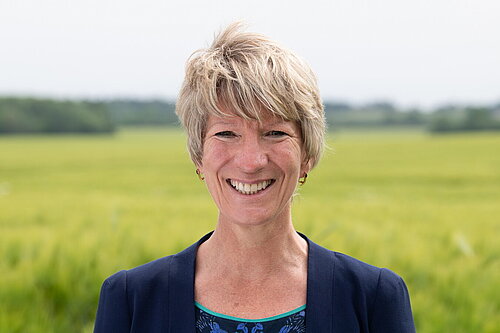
pixel 289 157
pixel 213 155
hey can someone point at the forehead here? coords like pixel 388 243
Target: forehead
pixel 238 121
pixel 230 117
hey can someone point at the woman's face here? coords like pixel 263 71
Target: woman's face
pixel 252 169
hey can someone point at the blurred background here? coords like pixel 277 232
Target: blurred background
pixel 95 177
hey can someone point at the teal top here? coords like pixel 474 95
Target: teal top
pixel 208 321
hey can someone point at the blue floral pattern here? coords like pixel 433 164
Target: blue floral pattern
pixel 211 323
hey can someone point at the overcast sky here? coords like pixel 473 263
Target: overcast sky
pixel 415 53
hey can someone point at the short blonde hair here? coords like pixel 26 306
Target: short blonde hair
pixel 247 72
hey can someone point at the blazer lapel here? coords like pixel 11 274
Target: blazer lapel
pixel 181 290
pixel 319 308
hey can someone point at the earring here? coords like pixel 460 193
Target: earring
pixel 198 172
pixel 303 179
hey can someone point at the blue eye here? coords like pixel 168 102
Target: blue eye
pixel 276 133
pixel 225 134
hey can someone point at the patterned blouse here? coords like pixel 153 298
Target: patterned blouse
pixel 208 321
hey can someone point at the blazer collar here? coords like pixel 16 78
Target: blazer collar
pixel 320 267
pixel 319 307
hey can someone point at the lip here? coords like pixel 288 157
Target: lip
pixel 254 181
pixel 260 192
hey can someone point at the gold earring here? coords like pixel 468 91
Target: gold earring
pixel 303 179
pixel 198 172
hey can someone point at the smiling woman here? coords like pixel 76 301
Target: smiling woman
pixel 239 156
pixel 255 127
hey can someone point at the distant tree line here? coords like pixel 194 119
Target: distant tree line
pixel 341 115
pixel 449 118
pixel 142 113
pixel 30 115
pixel 465 119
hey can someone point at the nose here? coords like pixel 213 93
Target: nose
pixel 251 155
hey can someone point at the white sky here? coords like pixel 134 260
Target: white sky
pixel 415 53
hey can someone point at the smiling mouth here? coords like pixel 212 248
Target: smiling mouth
pixel 249 189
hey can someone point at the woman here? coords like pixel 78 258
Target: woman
pixel 255 126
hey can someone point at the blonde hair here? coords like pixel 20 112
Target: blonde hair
pixel 247 72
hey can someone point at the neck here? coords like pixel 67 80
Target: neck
pixel 253 252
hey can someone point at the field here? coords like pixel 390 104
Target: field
pixel 75 209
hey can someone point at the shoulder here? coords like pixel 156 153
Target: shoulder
pixel 144 271
pixel 122 286
pixel 354 268
pixel 154 273
pixel 348 270
pixel 373 297
pixel 139 297
pixel 378 288
pixel 146 274
pixel 364 280
pixel 364 275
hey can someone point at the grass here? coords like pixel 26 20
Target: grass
pixel 75 209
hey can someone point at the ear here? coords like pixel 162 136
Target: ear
pixel 305 167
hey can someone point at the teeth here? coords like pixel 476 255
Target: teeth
pixel 249 188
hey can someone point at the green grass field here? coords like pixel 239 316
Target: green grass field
pixel 75 209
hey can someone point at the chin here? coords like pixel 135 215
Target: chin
pixel 253 217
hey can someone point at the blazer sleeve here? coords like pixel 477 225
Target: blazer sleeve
pixel 391 311
pixel 113 315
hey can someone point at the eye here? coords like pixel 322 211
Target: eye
pixel 276 134
pixel 225 134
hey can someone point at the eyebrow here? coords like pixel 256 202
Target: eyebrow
pixel 224 122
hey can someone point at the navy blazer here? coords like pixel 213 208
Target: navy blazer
pixel 344 295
